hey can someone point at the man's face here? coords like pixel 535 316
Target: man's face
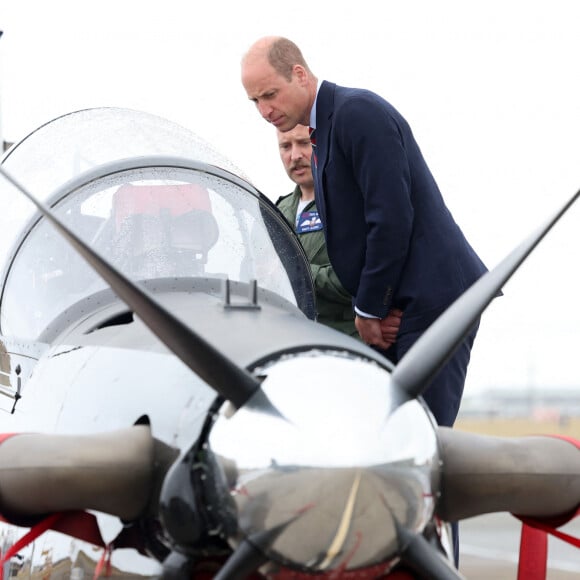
pixel 295 151
pixel 281 102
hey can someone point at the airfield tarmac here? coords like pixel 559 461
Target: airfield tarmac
pixel 489 548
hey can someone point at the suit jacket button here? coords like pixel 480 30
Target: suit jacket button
pixel 388 295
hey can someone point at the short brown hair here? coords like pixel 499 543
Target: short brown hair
pixel 283 55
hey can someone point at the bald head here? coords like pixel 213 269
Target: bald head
pixel 282 54
pixel 278 80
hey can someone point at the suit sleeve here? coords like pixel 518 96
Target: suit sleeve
pixel 372 143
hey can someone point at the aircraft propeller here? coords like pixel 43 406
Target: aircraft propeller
pixel 461 496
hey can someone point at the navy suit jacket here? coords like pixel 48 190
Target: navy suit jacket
pixel 390 237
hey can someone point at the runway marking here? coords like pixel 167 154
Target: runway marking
pixel 343 527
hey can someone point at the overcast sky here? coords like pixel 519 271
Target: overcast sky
pixel 491 90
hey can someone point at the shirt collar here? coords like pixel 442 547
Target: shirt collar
pixel 313 110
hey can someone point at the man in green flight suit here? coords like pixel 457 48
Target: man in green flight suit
pixel 333 302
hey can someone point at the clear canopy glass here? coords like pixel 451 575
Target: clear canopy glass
pixel 151 216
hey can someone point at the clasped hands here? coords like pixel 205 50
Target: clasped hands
pixel 379 332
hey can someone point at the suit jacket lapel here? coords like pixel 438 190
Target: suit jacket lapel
pixel 324 111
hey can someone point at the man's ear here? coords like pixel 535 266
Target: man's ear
pixel 300 73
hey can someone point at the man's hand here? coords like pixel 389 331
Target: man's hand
pixel 379 332
pixel 390 325
pixel 370 331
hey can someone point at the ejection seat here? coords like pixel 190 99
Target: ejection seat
pixel 162 230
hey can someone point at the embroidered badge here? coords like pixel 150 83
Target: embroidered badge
pixel 309 221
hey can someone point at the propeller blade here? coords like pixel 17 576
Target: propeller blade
pixel 250 554
pixel 484 474
pixel 113 472
pixel 423 558
pixel 438 343
pixel 178 566
pixel 227 379
pixel 244 561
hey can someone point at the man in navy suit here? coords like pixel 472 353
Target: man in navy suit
pixel 391 240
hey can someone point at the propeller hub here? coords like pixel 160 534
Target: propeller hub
pixel 327 483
